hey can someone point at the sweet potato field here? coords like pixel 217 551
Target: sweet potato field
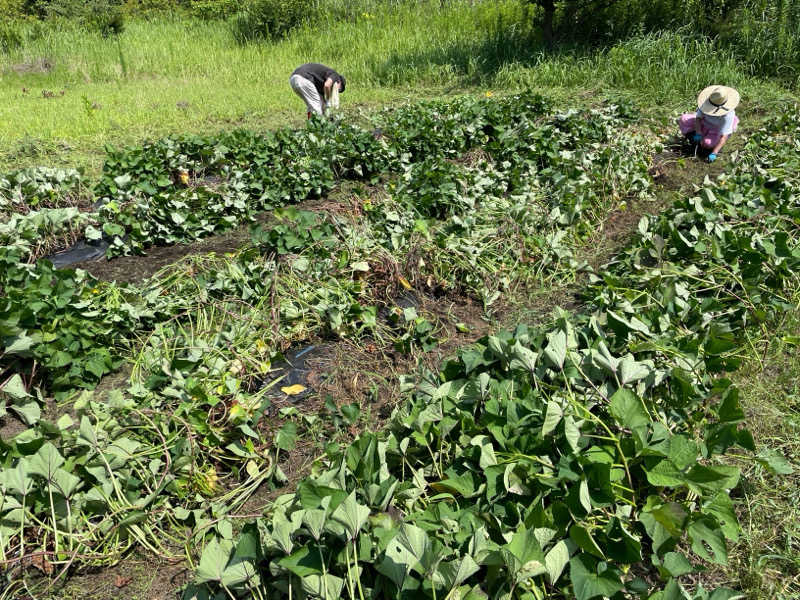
pixel 579 458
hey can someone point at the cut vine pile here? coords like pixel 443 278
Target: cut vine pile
pixel 574 460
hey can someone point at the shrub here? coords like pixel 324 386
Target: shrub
pixel 105 16
pixel 108 19
pixel 11 36
pixel 209 10
pixel 16 32
pixel 269 19
pixel 11 9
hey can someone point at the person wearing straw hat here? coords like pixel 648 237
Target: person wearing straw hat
pixel 715 119
pixel 319 86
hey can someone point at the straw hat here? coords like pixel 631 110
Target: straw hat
pixel 717 100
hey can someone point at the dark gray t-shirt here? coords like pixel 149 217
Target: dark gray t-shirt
pixel 318 74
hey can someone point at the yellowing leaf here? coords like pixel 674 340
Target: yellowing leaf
pixel 293 390
pixel 237 412
pixel 404 282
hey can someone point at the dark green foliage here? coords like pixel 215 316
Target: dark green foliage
pixel 43 321
pixel 11 36
pixel 298 230
pixel 270 19
pixel 14 34
pixel 104 16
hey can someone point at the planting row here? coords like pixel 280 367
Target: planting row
pixel 186 441
pixel 574 461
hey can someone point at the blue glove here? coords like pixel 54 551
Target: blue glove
pixel 696 138
pixel 712 157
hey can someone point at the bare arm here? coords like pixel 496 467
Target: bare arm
pixel 328 87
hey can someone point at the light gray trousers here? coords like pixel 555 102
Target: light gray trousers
pixel 306 90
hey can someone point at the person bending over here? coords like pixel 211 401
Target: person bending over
pixel 715 119
pixel 319 86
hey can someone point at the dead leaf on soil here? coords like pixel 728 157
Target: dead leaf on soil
pixel 40 562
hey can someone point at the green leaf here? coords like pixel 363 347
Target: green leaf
pixel 65 422
pixel 15 388
pixel 46 461
pixel 351 515
pixel 572 433
pixel 524 358
pixel 314 520
pixel 774 462
pixel 683 452
pixel 627 409
pixel 29 412
pixel 556 350
pixel 722 508
pixel 213 561
pixel 303 562
pixel 555 561
pixel 17 480
pixel 327 587
pixel 622 546
pixel 672 517
pixel 282 530
pixel 22 344
pixel 455 572
pixel 411 547
pixel 65 483
pixel 708 541
pixel 672 591
pixel 286 437
pixel 59 359
pixel 676 564
pixel 552 418
pixel 592 579
pixel 630 370
pixel 524 556
pixel 396 570
pixel 484 442
pixel 584 540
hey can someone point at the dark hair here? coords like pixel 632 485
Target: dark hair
pixel 341 83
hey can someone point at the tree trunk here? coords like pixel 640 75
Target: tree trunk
pixel 549 7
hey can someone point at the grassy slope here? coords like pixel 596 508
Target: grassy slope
pixel 388 58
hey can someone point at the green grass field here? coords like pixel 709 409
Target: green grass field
pixel 67 95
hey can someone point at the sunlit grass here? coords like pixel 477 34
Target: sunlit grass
pixel 178 76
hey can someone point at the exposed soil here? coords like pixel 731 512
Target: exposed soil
pixel 11 426
pixel 137 577
pixel 132 269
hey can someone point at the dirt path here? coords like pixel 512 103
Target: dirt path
pixel 133 269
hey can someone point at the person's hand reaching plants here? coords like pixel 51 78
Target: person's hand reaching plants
pixel 712 157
